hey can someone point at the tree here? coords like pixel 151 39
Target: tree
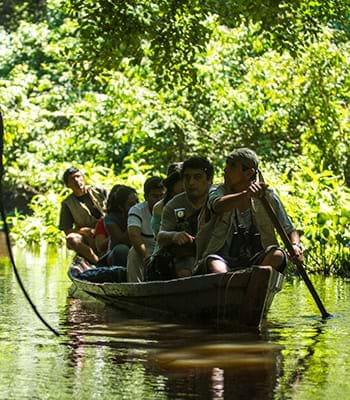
pixel 13 11
pixel 171 33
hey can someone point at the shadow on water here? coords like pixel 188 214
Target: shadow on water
pixel 204 363
pixel 197 362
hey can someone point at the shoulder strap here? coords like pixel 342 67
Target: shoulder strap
pixel 92 194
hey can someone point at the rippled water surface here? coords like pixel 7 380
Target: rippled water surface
pixel 104 354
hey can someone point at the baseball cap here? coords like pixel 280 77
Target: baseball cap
pixel 246 157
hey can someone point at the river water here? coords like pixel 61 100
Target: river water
pixel 104 354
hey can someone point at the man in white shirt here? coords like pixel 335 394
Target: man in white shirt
pixel 140 229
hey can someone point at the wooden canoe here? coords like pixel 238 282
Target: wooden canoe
pixel 241 298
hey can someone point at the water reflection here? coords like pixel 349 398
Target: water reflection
pixel 314 349
pixel 196 362
pixel 105 354
pixel 304 355
pixel 225 368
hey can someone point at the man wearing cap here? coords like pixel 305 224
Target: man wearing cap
pixel 80 212
pixel 178 228
pixel 235 230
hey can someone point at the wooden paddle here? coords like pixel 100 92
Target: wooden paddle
pixel 300 267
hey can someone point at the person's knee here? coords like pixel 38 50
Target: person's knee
pixel 123 249
pixel 73 240
pixel 119 255
pixel 278 254
pixel 217 266
pixel 277 259
pixel 282 260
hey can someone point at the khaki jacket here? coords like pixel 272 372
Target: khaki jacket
pixel 215 228
pixel 81 213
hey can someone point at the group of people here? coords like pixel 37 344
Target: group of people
pixel 204 228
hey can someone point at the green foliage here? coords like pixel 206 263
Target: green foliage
pixel 13 11
pixel 279 104
pixel 171 79
pixel 288 24
pixel 41 225
pixel 319 205
pixel 168 32
pixel 246 95
pixel 171 33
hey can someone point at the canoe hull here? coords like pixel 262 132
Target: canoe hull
pixel 240 298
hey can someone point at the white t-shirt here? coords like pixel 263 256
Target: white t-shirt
pixel 140 216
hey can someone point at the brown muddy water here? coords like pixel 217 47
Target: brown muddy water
pixel 104 354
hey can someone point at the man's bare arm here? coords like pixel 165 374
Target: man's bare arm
pixel 230 201
pixel 84 231
pixel 137 241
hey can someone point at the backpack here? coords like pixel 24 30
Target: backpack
pixel 160 266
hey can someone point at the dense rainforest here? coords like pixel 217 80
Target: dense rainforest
pixel 123 88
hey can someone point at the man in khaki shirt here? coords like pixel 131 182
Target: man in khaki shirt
pixel 178 226
pixel 80 212
pixel 236 231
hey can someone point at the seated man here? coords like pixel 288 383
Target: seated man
pixel 80 212
pixel 235 230
pixel 140 229
pixel 178 226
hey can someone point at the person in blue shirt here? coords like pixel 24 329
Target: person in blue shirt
pixel 116 224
